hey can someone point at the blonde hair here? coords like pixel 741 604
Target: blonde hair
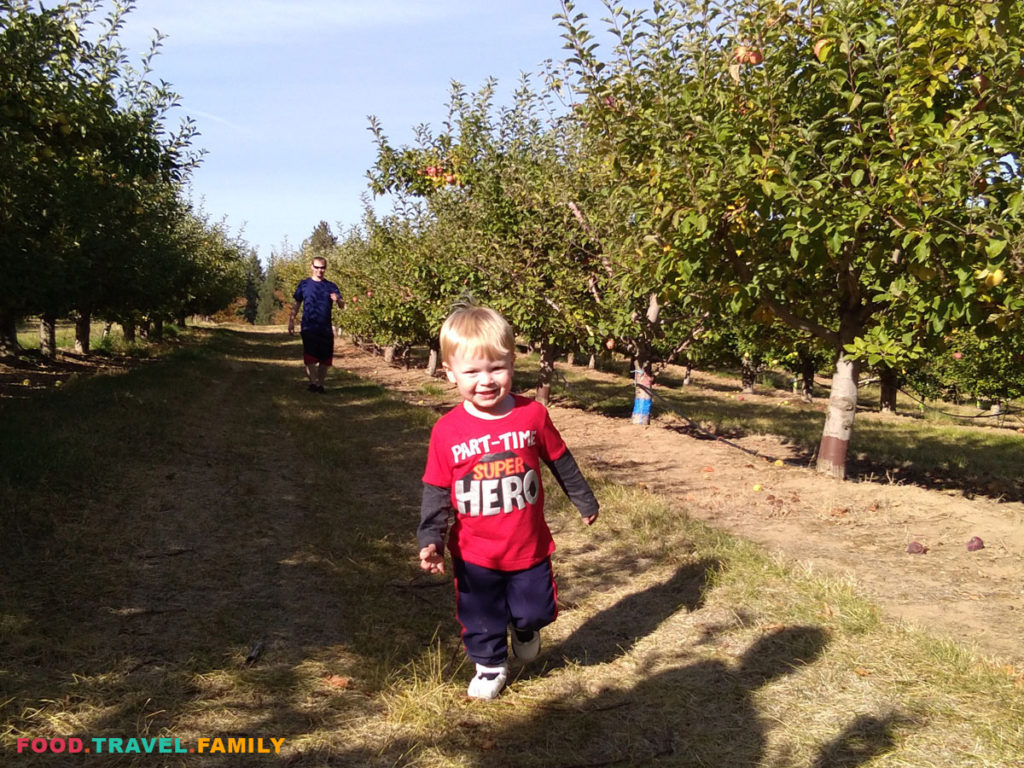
pixel 477 330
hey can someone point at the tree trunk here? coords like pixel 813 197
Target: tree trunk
pixel 592 363
pixel 389 354
pixel 807 374
pixel 548 353
pixel 748 375
pixel 83 331
pixel 128 329
pixel 433 358
pixel 570 359
pixel 158 329
pixel 643 383
pixel 889 380
pixel 9 345
pixel 48 336
pixel 842 407
pixel 687 375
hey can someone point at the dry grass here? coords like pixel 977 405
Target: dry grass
pixel 209 508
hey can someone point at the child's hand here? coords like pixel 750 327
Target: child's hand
pixel 431 560
pixel 591 520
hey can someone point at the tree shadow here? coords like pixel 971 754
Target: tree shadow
pixel 699 714
pixel 132 611
pixel 861 740
pixel 614 631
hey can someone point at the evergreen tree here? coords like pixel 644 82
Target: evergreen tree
pixel 254 279
pixel 322 241
pixel 267 302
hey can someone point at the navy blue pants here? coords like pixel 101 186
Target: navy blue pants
pixel 487 601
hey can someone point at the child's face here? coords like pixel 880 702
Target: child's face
pixel 481 381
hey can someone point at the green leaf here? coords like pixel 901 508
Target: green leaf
pixel 994 247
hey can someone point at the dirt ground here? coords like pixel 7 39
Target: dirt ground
pixel 852 530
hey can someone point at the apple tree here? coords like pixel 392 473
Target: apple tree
pixel 90 173
pixel 846 167
pixel 503 191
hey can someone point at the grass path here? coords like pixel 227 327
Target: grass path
pixel 161 527
pixel 221 524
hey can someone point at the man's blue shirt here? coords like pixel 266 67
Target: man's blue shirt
pixel 315 296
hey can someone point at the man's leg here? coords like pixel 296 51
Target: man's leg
pixel 321 373
pixel 311 374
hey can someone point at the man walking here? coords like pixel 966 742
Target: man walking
pixel 316 295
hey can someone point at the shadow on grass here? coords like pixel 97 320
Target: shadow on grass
pixel 614 631
pixel 160 526
pixel 702 713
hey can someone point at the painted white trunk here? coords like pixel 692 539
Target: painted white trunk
pixel 842 407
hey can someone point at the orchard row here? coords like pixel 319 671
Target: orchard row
pixel 814 183
pixel 93 219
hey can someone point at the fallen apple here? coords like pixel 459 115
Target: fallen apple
pixel 975 544
pixel 916 548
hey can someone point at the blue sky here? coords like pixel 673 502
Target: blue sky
pixel 281 91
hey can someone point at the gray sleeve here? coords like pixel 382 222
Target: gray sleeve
pixel 434 509
pixel 570 479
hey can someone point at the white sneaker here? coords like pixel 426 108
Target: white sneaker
pixel 488 682
pixel 525 645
